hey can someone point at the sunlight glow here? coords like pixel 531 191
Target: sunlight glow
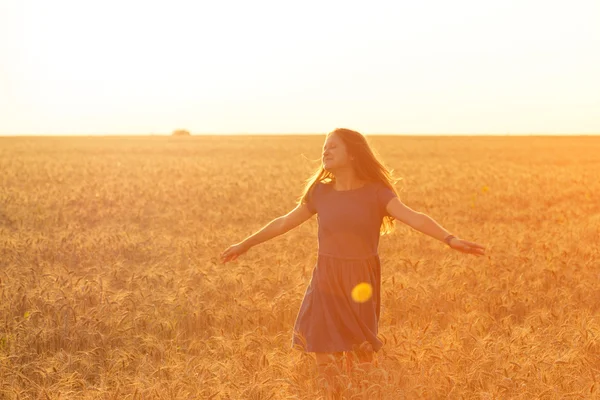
pixel 72 67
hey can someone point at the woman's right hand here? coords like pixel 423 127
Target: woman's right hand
pixel 233 252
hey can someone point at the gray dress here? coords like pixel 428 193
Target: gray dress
pixel 329 320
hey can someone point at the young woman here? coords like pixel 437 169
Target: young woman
pixel 353 195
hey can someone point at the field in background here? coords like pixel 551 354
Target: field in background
pixel 110 285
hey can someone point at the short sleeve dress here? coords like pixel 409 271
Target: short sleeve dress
pixel 329 320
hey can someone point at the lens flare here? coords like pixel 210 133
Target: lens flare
pixel 362 292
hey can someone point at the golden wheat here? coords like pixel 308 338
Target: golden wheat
pixel 110 285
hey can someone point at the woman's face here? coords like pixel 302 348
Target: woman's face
pixel 335 155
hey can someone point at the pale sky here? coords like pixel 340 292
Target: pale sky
pixel 214 66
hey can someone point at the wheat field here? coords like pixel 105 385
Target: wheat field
pixel 111 285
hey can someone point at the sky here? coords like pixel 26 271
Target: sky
pixel 406 67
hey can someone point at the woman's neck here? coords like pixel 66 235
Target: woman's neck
pixel 346 180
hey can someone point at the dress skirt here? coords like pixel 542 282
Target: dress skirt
pixel 330 319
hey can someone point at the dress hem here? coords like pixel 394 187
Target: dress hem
pixel 329 350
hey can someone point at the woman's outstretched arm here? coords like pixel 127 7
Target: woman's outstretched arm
pixel 427 225
pixel 276 227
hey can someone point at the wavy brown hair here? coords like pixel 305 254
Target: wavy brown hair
pixel 366 166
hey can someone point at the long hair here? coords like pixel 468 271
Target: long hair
pixel 366 166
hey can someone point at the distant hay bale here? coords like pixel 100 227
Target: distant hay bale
pixel 180 132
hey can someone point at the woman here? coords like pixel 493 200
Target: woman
pixel 353 195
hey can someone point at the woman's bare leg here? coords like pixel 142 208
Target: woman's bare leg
pixel 329 366
pixel 364 355
pixel 363 360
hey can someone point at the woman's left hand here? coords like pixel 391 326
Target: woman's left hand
pixel 467 247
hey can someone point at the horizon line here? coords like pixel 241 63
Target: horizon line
pixel 291 134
